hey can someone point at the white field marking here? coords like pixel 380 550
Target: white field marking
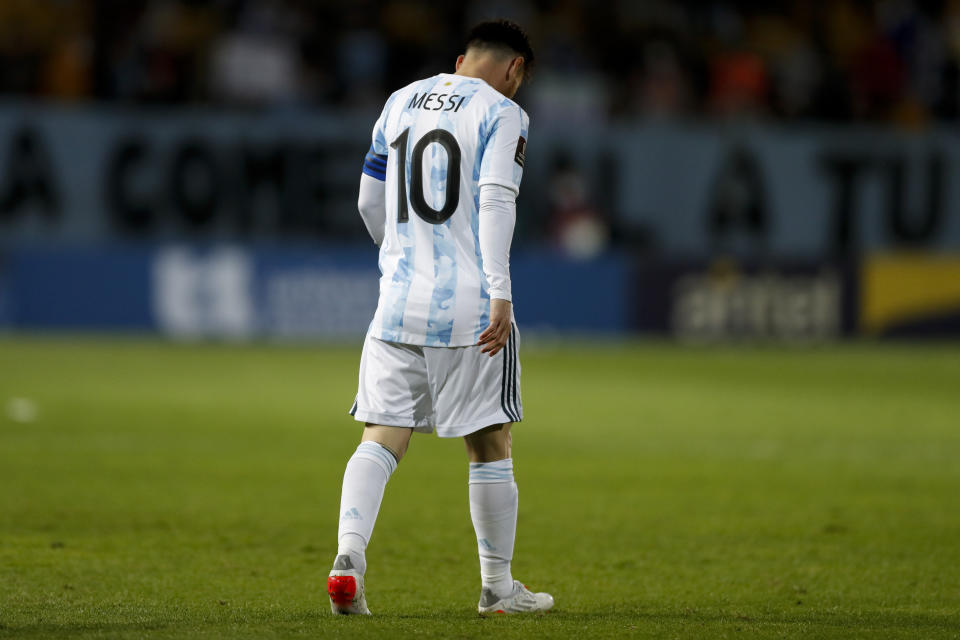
pixel 21 410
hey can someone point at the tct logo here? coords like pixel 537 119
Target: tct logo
pixel 204 294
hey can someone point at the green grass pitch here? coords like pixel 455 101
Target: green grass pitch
pixel 179 491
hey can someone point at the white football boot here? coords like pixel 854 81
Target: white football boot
pixel 345 588
pixel 522 600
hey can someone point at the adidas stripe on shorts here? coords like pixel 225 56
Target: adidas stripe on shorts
pixel 452 390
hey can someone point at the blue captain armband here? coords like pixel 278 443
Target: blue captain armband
pixel 375 165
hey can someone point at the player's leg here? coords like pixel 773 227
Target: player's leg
pixel 490 444
pixel 396 440
pixel 364 482
pixel 480 401
pixel 494 500
pixel 493 504
pixel 392 389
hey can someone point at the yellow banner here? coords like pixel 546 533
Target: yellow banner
pixel 899 289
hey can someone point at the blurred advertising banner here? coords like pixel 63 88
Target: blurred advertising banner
pixel 90 175
pixel 94 175
pixel 726 301
pixel 764 192
pixel 218 292
pixel 229 292
pixel 910 295
pixel 235 292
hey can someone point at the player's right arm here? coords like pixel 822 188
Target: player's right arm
pixel 372 203
pixel 372 200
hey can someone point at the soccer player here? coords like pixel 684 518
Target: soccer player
pixel 438 195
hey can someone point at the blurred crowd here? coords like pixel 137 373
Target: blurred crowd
pixel 887 61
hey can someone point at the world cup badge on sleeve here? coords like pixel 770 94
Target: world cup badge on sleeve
pixel 521 151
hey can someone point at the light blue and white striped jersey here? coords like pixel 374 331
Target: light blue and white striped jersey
pixel 436 142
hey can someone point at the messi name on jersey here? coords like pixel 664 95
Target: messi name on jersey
pixel 436 101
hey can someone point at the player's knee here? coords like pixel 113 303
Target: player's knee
pixel 490 444
pixel 396 440
pixel 398 452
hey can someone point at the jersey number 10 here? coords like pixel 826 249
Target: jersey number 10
pixel 434 216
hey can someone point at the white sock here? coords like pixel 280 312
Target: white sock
pixel 493 508
pixel 364 480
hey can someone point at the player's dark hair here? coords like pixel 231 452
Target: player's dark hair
pixel 504 35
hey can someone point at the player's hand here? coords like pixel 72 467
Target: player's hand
pixel 494 337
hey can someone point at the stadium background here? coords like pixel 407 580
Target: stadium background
pixel 725 170
pixel 737 273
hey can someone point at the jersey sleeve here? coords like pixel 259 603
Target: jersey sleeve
pixel 505 149
pixel 375 163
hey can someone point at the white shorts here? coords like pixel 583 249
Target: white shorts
pixel 455 390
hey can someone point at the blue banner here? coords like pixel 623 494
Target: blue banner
pixel 234 292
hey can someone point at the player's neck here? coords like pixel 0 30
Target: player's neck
pixel 484 69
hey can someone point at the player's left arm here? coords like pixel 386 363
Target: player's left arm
pixel 498 214
pixel 501 170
